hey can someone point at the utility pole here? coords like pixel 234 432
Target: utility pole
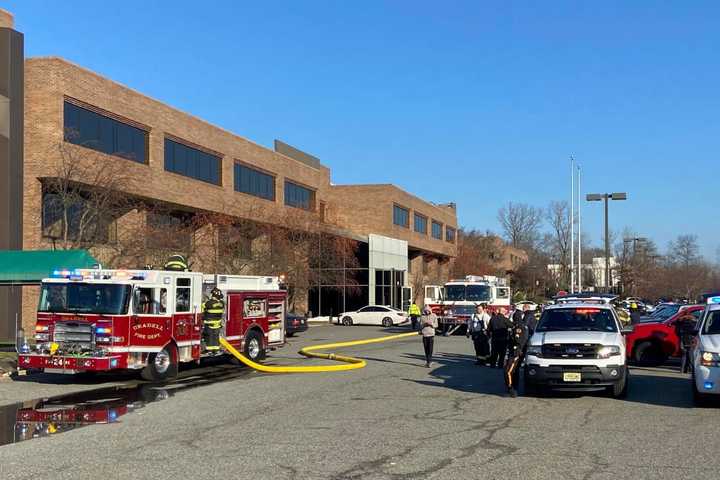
pixel 596 197
pixel 580 271
pixel 572 224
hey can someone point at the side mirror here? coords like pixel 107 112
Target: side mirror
pixel 627 329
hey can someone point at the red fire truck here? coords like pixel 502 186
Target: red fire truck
pixel 456 301
pixel 147 320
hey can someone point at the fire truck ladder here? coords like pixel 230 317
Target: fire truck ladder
pixel 350 363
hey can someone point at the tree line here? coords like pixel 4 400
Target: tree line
pixel 641 268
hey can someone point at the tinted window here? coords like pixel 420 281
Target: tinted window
pixel 437 230
pixel 191 162
pixel 455 293
pixel 254 182
pixel 104 134
pixel 712 323
pixel 75 297
pixel 577 319
pixel 420 223
pixel 401 216
pixel 298 196
pixel 450 234
pixel 478 293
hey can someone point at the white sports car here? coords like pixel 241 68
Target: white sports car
pixel 374 315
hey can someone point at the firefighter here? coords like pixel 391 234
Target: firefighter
pixel 176 263
pixel 516 352
pixel 414 313
pixel 213 309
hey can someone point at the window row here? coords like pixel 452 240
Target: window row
pixel 401 218
pixel 100 132
pixel 104 134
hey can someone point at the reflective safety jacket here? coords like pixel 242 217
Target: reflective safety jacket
pixel 214 310
pixel 414 310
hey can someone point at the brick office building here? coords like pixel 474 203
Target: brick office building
pixel 170 158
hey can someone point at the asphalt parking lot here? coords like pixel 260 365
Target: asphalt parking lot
pixel 394 419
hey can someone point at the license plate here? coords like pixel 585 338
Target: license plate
pixel 572 377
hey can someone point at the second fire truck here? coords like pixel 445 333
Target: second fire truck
pixel 456 301
pixel 147 320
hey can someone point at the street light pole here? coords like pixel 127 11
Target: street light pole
pixel 596 197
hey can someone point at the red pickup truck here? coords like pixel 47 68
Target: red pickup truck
pixel 652 343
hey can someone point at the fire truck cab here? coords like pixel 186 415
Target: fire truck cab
pixel 455 302
pixel 147 320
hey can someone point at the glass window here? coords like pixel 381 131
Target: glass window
pixel 104 134
pixel 401 216
pixel 437 230
pixel 299 196
pixel 450 234
pixel 191 162
pixel 254 182
pixel 110 299
pixel 586 319
pixel 162 304
pixel 143 302
pixel 182 295
pixel 712 323
pixel 420 223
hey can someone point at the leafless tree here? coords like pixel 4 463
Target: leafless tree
pixel 83 198
pixel 558 240
pixel 520 223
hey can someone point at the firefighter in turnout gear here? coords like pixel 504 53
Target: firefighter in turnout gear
pixel 213 310
pixel 176 263
pixel 516 353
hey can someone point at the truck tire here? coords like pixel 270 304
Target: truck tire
pixel 347 321
pixel 620 389
pixel 254 349
pixel 387 322
pixel 161 366
pixel 649 354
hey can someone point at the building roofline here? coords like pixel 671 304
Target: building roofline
pixel 392 185
pixel 56 58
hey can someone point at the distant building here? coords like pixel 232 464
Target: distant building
pixel 593 273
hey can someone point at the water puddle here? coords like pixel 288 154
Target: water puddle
pixel 53 416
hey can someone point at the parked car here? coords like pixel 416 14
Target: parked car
pixel 578 346
pixel 295 323
pixel 653 342
pixel 374 315
pixel 706 355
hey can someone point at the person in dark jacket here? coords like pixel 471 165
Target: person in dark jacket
pixel 685 331
pixel 499 325
pixel 517 315
pixel 516 352
pixel 530 320
pixel 634 314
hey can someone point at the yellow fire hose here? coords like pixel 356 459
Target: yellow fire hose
pixel 350 363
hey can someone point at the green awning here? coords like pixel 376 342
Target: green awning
pixel 31 266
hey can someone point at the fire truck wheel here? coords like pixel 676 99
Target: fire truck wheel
pixel 254 346
pixel 387 322
pixel 162 365
pixel 347 321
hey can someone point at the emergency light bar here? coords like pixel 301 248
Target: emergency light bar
pixel 713 300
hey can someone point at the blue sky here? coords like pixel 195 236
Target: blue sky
pixel 475 102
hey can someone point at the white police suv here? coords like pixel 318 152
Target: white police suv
pixel 706 354
pixel 578 345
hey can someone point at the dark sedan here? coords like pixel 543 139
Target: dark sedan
pixel 294 323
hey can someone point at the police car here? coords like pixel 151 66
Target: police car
pixel 578 345
pixel 706 354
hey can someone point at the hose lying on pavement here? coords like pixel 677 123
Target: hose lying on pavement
pixel 350 363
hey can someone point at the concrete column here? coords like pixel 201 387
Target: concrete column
pixel 11 160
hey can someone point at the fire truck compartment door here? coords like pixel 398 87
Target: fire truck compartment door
pixel 433 293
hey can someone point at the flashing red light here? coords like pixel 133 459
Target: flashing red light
pixel 585 311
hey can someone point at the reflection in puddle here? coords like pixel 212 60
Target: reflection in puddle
pixel 47 417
